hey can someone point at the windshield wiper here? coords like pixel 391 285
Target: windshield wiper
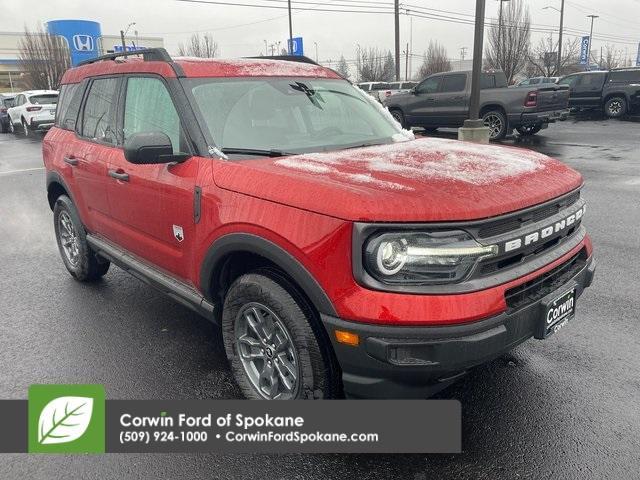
pixel 253 151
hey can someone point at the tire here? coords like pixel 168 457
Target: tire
pixel 286 363
pixel 4 128
pixel 497 123
pixel 528 130
pixel 399 116
pixel 77 256
pixel 25 129
pixel 615 107
pixel 12 127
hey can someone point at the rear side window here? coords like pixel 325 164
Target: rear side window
pixel 99 109
pixel 149 108
pixel 64 100
pixel 487 81
pixel 380 86
pixel 629 76
pixel 453 83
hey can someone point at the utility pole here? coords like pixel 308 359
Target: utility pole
pixel 463 53
pixel 290 30
pixel 316 45
pixel 410 46
pixel 559 72
pixel 397 28
pixel 124 45
pixel 406 63
pixel 593 17
pixel 474 129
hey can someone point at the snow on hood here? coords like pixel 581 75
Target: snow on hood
pixel 444 160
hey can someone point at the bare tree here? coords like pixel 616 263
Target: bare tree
pixel 508 47
pixel 343 68
pixel 199 46
pixel 43 58
pixel 612 58
pixel 543 59
pixel 435 60
pixel 374 66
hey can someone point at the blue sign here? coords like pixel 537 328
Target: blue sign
pixel 295 47
pixel 584 50
pixel 130 48
pixel 82 37
pixel 638 58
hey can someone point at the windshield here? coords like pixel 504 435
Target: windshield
pixel 293 115
pixel 46 99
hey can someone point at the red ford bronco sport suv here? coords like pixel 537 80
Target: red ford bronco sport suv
pixel 339 254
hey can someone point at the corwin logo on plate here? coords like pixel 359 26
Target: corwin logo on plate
pixel 66 419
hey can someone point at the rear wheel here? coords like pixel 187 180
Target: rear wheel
pixel 270 342
pixel 25 129
pixel 528 130
pixel 615 107
pixel 80 260
pixel 497 123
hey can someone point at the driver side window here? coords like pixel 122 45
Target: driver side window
pixel 430 85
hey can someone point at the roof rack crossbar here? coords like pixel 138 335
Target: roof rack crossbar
pixel 148 55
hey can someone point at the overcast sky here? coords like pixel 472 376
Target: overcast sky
pixel 241 31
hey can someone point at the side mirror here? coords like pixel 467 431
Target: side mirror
pixel 149 148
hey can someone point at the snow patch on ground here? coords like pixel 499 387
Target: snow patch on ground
pixel 430 158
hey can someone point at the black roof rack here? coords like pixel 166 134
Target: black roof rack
pixel 148 55
pixel 288 58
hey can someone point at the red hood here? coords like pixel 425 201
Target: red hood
pixel 421 180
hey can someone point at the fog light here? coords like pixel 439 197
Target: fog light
pixel 347 338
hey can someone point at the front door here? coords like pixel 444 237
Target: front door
pixel 152 205
pixel 420 109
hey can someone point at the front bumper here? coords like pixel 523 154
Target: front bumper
pixel 416 362
pixel 538 118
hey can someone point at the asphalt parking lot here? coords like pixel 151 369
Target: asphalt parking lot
pixel 567 407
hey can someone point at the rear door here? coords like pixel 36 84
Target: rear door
pixel 587 91
pixel 451 103
pixel 88 154
pixel 152 205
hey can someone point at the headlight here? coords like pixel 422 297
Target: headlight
pixel 423 258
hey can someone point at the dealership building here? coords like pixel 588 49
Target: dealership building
pixel 84 38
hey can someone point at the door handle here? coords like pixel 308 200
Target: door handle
pixel 119 175
pixel 70 160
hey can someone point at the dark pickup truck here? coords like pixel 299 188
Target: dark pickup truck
pixel 616 91
pixel 442 100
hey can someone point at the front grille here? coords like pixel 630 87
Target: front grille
pixel 515 222
pixel 539 287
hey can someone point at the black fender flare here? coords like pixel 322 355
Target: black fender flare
pixel 54 177
pixel 245 242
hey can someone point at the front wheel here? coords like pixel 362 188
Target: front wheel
pixel 12 127
pixel 615 107
pixel 271 344
pixel 528 130
pixel 399 117
pixel 80 260
pixel 496 121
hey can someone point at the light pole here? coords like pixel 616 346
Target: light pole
pixel 316 45
pixel 290 31
pixel 561 12
pixel 593 17
pixel 123 33
pixel 499 49
pixel 473 129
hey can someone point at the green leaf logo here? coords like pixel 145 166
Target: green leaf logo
pixel 64 419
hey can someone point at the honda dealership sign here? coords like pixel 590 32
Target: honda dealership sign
pixel 82 37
